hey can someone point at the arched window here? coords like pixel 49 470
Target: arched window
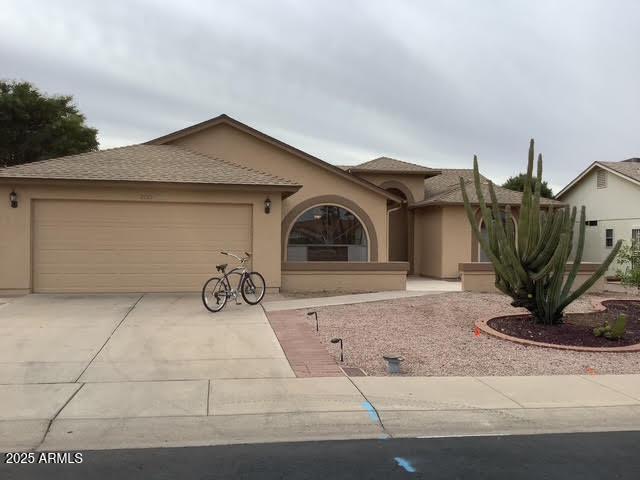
pixel 327 233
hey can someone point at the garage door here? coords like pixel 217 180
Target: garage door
pixel 87 246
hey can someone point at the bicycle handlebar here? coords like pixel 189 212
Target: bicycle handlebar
pixel 240 259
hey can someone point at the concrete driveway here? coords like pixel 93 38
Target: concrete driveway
pixel 109 338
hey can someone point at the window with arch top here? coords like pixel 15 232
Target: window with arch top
pixel 327 233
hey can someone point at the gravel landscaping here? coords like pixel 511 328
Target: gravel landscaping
pixel 436 336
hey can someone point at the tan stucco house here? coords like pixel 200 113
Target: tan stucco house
pixel 153 217
pixel 610 191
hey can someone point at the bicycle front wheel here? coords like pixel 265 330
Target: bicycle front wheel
pixel 214 294
pixel 253 288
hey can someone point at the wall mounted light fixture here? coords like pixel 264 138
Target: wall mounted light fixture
pixel 267 205
pixel 13 199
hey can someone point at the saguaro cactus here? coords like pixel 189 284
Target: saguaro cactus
pixel 530 264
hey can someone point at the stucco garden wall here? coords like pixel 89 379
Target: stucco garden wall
pixel 480 277
pixel 339 277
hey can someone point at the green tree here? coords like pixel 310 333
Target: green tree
pixel 517 183
pixel 628 261
pixel 35 126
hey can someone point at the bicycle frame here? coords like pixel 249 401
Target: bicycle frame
pixel 231 292
pixel 242 271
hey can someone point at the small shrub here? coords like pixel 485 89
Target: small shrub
pixel 615 332
pixel 628 261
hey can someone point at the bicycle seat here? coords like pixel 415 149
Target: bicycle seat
pixel 222 267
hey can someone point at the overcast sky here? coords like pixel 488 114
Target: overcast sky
pixel 430 82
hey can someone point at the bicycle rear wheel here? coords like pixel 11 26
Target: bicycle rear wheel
pixel 214 294
pixel 253 288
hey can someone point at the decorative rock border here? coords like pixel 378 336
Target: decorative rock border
pixel 483 325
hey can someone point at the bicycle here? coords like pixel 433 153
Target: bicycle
pixel 217 290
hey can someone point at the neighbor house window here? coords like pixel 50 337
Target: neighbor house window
pixel 635 236
pixel 608 237
pixel 327 233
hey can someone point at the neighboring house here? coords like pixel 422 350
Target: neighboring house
pixel 610 191
pixel 154 217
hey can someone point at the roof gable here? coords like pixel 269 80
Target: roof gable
pixel 448 178
pixel 627 169
pixel 227 120
pixel 392 165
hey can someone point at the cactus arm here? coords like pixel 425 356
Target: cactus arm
pixel 572 223
pixel 539 296
pixel 543 240
pixel 486 213
pixel 552 264
pixel 525 206
pixel 534 214
pixel 594 278
pixel 495 207
pixel 511 257
pixel 578 258
pixel 555 286
pixel 508 225
pixel 545 255
pixel 507 249
pixel 497 264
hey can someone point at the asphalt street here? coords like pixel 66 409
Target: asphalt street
pixel 561 456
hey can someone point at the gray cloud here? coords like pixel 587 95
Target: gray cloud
pixel 429 82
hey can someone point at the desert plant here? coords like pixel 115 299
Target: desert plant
pixel 615 332
pixel 530 266
pixel 628 261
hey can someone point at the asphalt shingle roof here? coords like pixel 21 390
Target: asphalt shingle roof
pixel 445 189
pixel 630 168
pixel 450 177
pixel 145 163
pixel 386 164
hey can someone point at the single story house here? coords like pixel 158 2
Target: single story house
pixel 153 217
pixel 610 191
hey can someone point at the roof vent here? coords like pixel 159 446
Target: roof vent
pixel 634 159
pixel 602 179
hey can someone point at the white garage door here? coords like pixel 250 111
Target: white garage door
pixel 90 246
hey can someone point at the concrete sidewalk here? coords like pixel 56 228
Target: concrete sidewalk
pixel 315 302
pixel 70 416
pixel 416 287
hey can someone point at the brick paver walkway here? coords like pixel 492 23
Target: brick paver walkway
pixel 302 347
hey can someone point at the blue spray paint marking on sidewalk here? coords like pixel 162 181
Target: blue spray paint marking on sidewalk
pixel 371 411
pixel 406 464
